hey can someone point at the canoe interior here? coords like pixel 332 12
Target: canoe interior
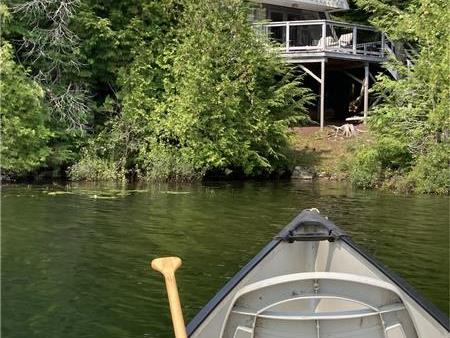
pixel 302 287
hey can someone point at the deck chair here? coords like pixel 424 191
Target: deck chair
pixel 329 42
pixel 345 40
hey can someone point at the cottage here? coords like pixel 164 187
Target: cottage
pixel 335 53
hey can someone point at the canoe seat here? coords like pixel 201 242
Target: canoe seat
pixel 334 304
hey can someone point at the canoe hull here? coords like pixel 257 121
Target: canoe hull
pixel 312 280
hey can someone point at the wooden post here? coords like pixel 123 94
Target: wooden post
pixel 322 94
pixel 366 91
pixel 324 35
pixel 287 36
pixel 355 36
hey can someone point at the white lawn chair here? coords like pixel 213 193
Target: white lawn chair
pixel 329 42
pixel 345 40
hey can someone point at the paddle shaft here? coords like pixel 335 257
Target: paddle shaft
pixel 167 266
pixel 175 306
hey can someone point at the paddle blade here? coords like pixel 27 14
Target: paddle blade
pixel 166 264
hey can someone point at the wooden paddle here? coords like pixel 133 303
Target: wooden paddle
pixel 167 266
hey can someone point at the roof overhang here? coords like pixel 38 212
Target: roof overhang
pixel 312 5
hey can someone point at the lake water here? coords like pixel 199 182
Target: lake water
pixel 75 259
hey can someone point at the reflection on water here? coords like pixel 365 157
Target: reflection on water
pixel 75 259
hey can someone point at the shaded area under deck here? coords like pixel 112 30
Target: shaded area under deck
pixel 343 93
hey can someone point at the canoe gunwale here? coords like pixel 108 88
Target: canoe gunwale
pixel 313 217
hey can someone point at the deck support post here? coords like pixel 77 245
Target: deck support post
pixel 324 36
pixel 288 38
pixel 366 91
pixel 322 94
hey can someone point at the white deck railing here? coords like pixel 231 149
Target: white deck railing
pixel 325 36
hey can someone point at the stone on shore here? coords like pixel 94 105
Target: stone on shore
pixel 303 173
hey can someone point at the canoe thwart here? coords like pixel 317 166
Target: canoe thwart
pixel 331 237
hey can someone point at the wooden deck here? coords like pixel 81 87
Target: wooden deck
pixel 313 40
pixel 327 41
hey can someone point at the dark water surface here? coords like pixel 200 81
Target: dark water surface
pixel 76 264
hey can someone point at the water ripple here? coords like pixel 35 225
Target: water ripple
pixel 75 265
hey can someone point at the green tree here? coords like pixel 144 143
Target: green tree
pixel 129 38
pixel 230 99
pixel 41 33
pixel 24 135
pixel 216 99
pixel 48 46
pixel 412 126
pixel 111 34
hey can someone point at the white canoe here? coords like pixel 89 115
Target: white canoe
pixel 313 281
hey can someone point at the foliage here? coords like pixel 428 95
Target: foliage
pixel 112 34
pixel 365 168
pixel 229 100
pixel 432 171
pixel 93 168
pixel 216 99
pixel 121 134
pixel 47 45
pixel 70 47
pixel 412 126
pixel 24 133
pixel 176 89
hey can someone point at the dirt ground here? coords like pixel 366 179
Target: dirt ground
pixel 324 152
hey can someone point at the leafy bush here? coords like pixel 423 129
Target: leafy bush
pixel 24 134
pixel 215 99
pixel 165 163
pixel 393 153
pixel 365 168
pixel 431 174
pixel 230 99
pixel 94 168
pixel 410 127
